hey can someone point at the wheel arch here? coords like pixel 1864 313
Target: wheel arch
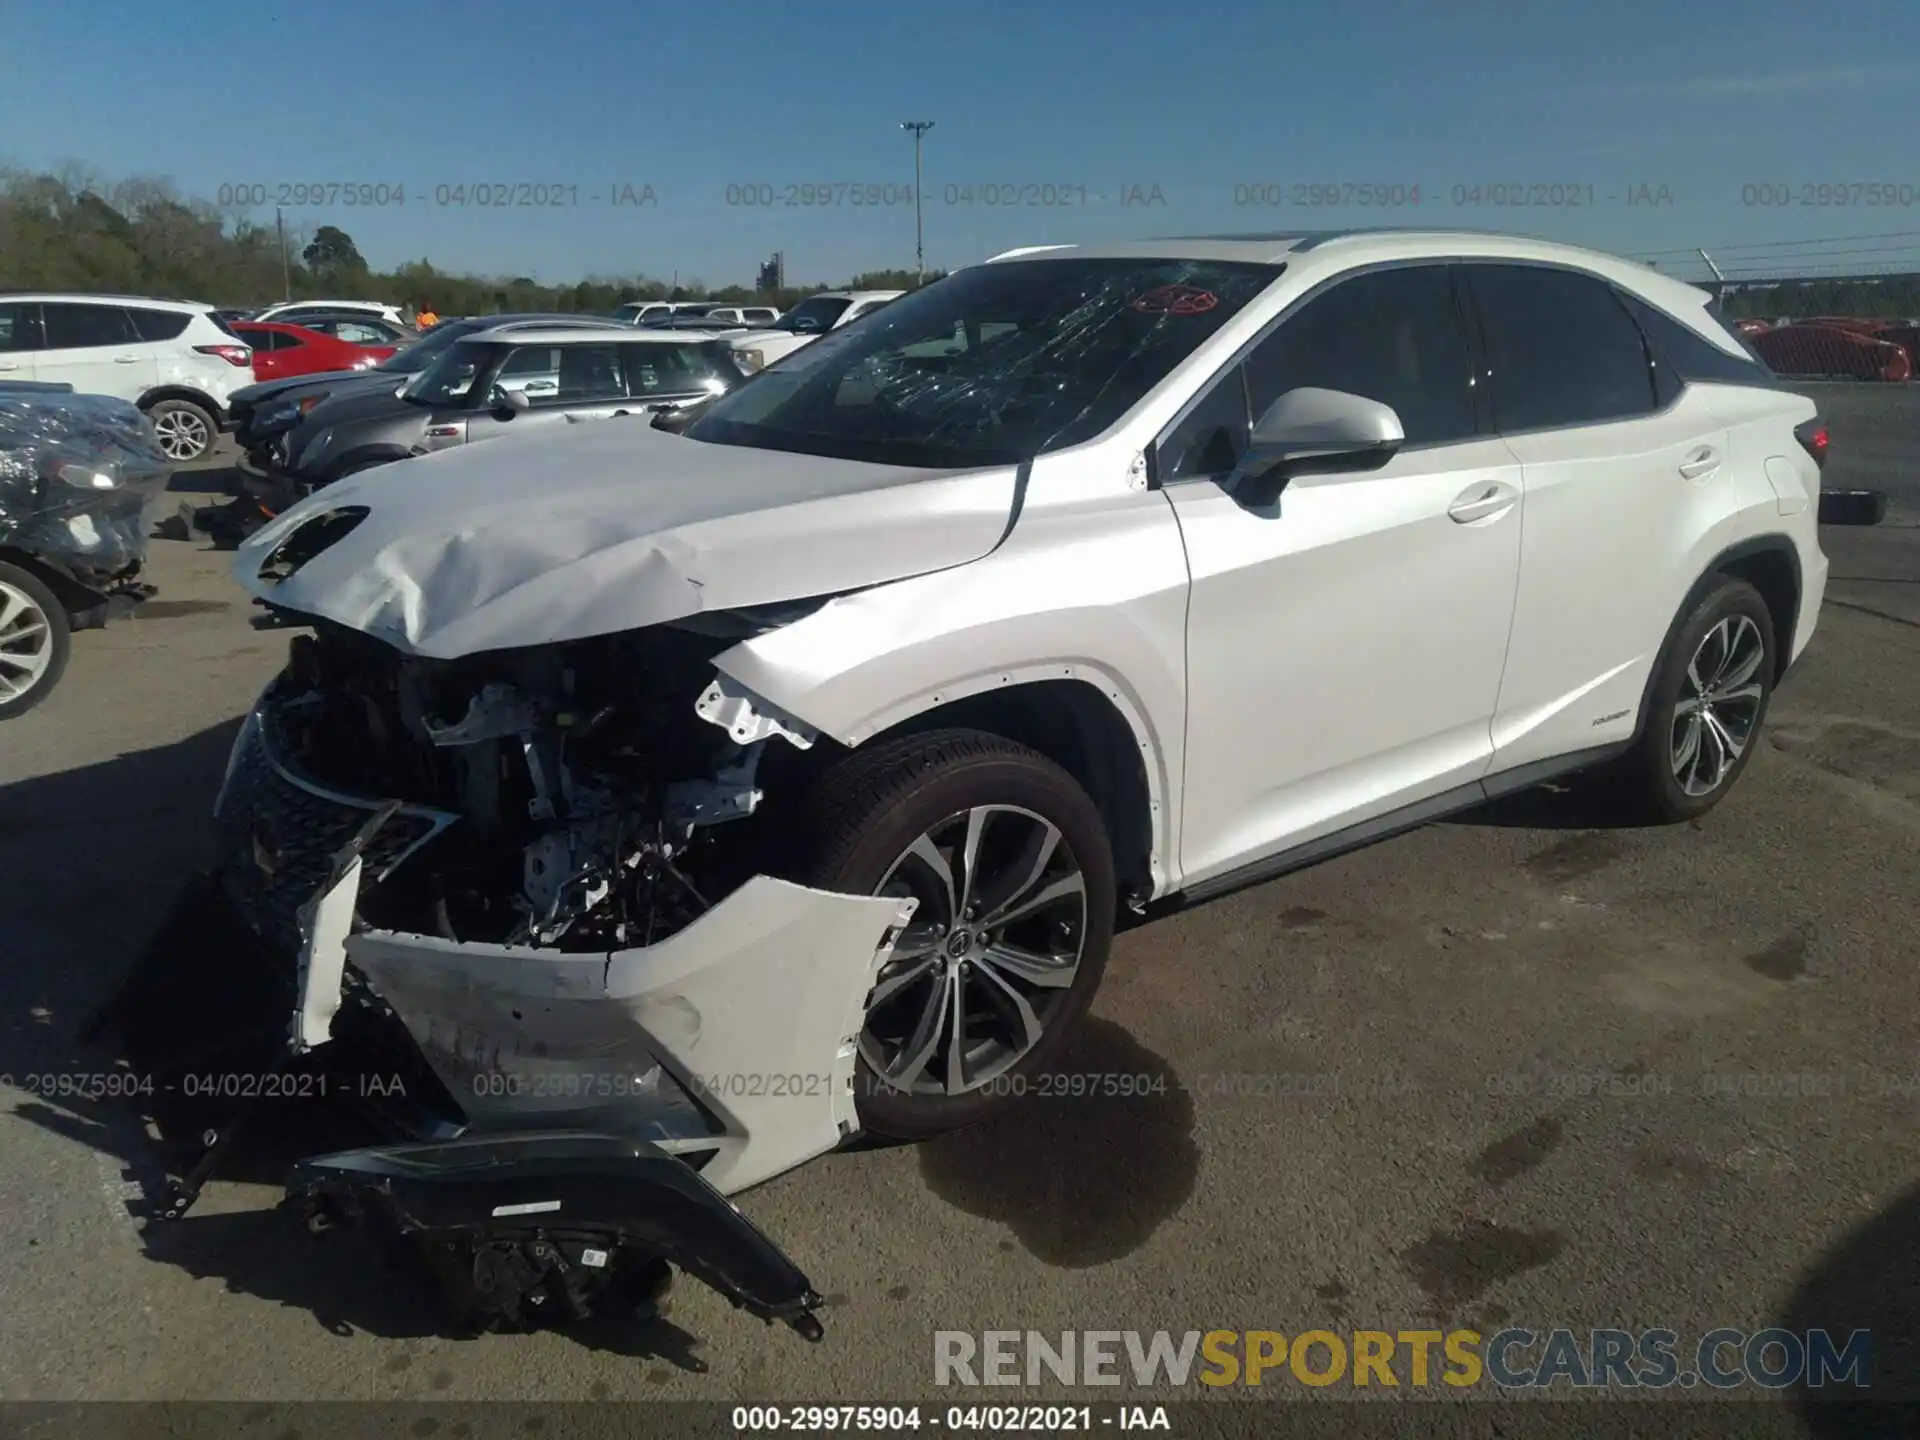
pixel 75 595
pixel 1076 715
pixel 1083 729
pixel 190 395
pixel 1771 564
pixel 365 455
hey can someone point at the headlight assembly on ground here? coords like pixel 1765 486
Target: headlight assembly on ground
pixel 1510 1359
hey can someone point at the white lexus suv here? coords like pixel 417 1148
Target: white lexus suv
pixel 745 789
pixel 172 358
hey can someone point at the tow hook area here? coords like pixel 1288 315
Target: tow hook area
pixel 540 1229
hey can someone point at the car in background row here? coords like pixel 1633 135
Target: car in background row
pixel 507 379
pixel 262 413
pixel 281 352
pixel 175 360
pixel 1808 351
pixel 657 313
pixel 807 321
pixel 293 310
pixel 356 329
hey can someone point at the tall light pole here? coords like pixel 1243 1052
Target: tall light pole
pixel 919 128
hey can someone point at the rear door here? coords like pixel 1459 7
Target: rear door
pixel 94 347
pixel 566 384
pixel 19 339
pixel 662 376
pixel 1620 483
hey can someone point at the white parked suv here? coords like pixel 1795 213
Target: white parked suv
pixel 171 358
pixel 290 313
pixel 802 763
pixel 806 322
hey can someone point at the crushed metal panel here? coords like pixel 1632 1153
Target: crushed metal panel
pixel 609 528
pixel 755 1008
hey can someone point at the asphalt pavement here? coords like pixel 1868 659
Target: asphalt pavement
pixel 1527 1067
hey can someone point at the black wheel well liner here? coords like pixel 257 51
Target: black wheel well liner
pixel 73 593
pixel 1769 563
pixel 1078 728
pixel 187 393
pixel 381 453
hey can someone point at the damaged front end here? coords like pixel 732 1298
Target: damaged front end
pixel 515 910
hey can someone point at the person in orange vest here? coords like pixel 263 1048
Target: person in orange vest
pixel 425 317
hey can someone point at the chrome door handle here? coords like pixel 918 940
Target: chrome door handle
pixel 1701 462
pixel 1481 502
pixel 126 359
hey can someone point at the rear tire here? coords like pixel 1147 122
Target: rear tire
pixel 1708 701
pixel 903 818
pixel 186 431
pixel 35 640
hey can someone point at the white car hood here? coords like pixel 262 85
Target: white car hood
pixel 612 526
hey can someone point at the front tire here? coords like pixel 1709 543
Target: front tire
pixel 186 431
pixel 1011 864
pixel 35 639
pixel 1710 693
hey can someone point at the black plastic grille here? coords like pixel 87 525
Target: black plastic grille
pixel 281 837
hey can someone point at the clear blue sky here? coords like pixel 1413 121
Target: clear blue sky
pixel 1115 97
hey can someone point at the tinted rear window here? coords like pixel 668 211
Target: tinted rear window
pixel 78 327
pixel 1691 356
pixel 160 324
pixel 1562 348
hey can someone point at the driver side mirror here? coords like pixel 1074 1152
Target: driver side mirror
pixel 1314 431
pixel 508 403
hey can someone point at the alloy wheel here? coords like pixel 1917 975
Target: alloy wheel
pixel 1715 716
pixel 990 955
pixel 26 643
pixel 183 435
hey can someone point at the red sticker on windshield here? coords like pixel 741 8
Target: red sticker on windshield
pixel 1176 300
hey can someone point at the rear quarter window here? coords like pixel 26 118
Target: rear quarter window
pixel 1691 356
pixel 162 324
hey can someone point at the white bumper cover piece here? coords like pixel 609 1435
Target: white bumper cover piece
pixel 755 1009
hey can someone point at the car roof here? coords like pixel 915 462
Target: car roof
pixel 564 334
pixel 853 295
pixel 1364 246
pixel 193 307
pixel 330 305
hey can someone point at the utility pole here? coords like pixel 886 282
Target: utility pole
pixel 919 129
pixel 286 270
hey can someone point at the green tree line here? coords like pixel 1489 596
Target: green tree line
pixel 69 231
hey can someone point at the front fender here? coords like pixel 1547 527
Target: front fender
pixel 1090 593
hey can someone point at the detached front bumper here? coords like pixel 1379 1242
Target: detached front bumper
pixel 548 1107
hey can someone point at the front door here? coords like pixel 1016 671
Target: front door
pixel 1345 644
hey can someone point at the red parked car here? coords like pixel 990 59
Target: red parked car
pixel 1824 352
pixel 283 351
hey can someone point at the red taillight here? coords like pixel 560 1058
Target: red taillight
pixel 1813 439
pixel 232 354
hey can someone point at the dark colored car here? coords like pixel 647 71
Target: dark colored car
pixel 262 413
pixel 77 473
pixel 488 384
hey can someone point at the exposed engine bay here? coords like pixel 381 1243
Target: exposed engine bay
pixel 587 794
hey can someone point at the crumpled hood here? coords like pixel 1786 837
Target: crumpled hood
pixel 258 394
pixel 545 538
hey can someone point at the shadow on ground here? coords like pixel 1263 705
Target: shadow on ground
pixel 1098 1153
pixel 1869 1280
